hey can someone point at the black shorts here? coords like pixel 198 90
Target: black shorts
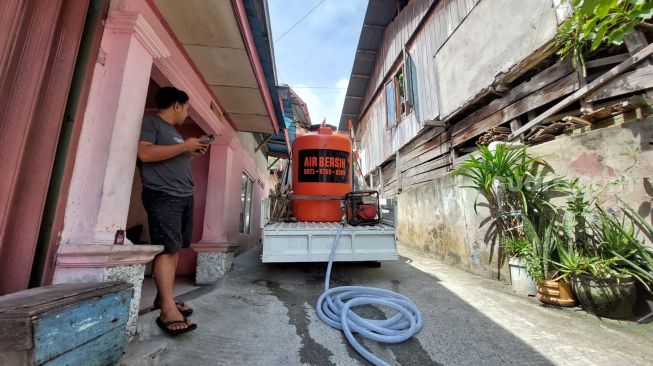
pixel 170 219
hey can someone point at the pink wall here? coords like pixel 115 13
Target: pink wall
pixel 258 193
pixel 178 70
pixel 200 95
pixel 38 50
pixel 135 44
pixel 228 161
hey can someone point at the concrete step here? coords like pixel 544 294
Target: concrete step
pixel 144 353
pixel 147 328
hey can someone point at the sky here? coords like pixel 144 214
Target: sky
pixel 315 57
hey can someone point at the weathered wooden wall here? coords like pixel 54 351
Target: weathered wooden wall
pixel 421 28
pixel 427 143
pixel 496 37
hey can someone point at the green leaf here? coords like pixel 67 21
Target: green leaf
pixel 589 25
pixel 598 38
pixel 604 7
pixel 587 7
pixel 643 12
pixel 617 36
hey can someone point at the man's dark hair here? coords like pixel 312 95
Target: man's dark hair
pixel 167 96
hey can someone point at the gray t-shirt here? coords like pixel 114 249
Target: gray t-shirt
pixel 174 175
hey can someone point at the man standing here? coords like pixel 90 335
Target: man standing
pixel 164 161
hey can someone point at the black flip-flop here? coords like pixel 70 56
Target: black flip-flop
pixel 174 332
pixel 179 303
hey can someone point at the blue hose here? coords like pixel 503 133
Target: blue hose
pixel 334 305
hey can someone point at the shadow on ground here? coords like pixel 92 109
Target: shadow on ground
pixel 453 333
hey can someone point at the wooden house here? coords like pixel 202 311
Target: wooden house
pixel 432 79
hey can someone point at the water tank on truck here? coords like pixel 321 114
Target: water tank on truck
pixel 322 174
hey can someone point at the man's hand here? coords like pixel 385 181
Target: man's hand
pixel 200 151
pixel 149 152
pixel 193 144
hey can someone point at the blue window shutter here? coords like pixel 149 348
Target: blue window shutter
pixel 412 81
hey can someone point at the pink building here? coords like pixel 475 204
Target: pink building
pixel 76 80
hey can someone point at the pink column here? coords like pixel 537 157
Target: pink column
pixel 100 188
pixel 215 250
pixel 100 191
pixel 218 214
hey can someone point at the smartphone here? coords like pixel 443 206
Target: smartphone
pixel 207 139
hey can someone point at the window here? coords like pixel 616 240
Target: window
pixel 246 203
pixel 390 104
pixel 411 73
pixel 398 102
pixel 400 93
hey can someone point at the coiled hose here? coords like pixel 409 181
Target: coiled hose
pixel 334 308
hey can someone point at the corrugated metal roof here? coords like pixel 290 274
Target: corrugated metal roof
pixel 276 145
pixel 377 17
pixel 259 18
pixel 293 111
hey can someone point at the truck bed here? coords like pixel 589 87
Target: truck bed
pixel 312 241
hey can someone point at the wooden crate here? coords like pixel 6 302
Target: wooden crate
pixel 67 324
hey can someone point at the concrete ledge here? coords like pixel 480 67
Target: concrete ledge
pixel 78 263
pixel 104 255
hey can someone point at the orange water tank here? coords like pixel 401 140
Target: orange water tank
pixel 321 168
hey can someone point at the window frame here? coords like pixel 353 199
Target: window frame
pixel 246 193
pixel 403 107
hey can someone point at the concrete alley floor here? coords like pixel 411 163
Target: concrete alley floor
pixel 262 314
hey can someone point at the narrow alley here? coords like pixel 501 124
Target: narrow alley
pixel 262 314
pixel 167 160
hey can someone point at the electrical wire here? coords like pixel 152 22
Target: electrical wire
pixel 299 21
pixel 318 87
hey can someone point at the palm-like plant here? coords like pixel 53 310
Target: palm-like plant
pixel 513 182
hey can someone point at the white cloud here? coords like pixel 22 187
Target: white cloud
pixel 324 103
pixel 318 51
pixel 313 102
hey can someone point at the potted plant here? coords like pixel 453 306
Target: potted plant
pixel 518 249
pixel 545 237
pixel 516 186
pixel 605 267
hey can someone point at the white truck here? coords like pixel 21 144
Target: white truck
pixel 312 241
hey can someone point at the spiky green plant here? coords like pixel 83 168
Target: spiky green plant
pixel 544 236
pixel 513 183
pixel 515 246
pixel 612 249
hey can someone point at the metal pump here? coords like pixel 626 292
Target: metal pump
pixel 362 208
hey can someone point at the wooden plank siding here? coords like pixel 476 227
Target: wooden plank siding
pixel 629 82
pixel 427 144
pixel 421 28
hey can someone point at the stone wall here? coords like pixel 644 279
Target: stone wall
pixel 440 218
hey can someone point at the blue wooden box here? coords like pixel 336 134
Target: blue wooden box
pixel 67 324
